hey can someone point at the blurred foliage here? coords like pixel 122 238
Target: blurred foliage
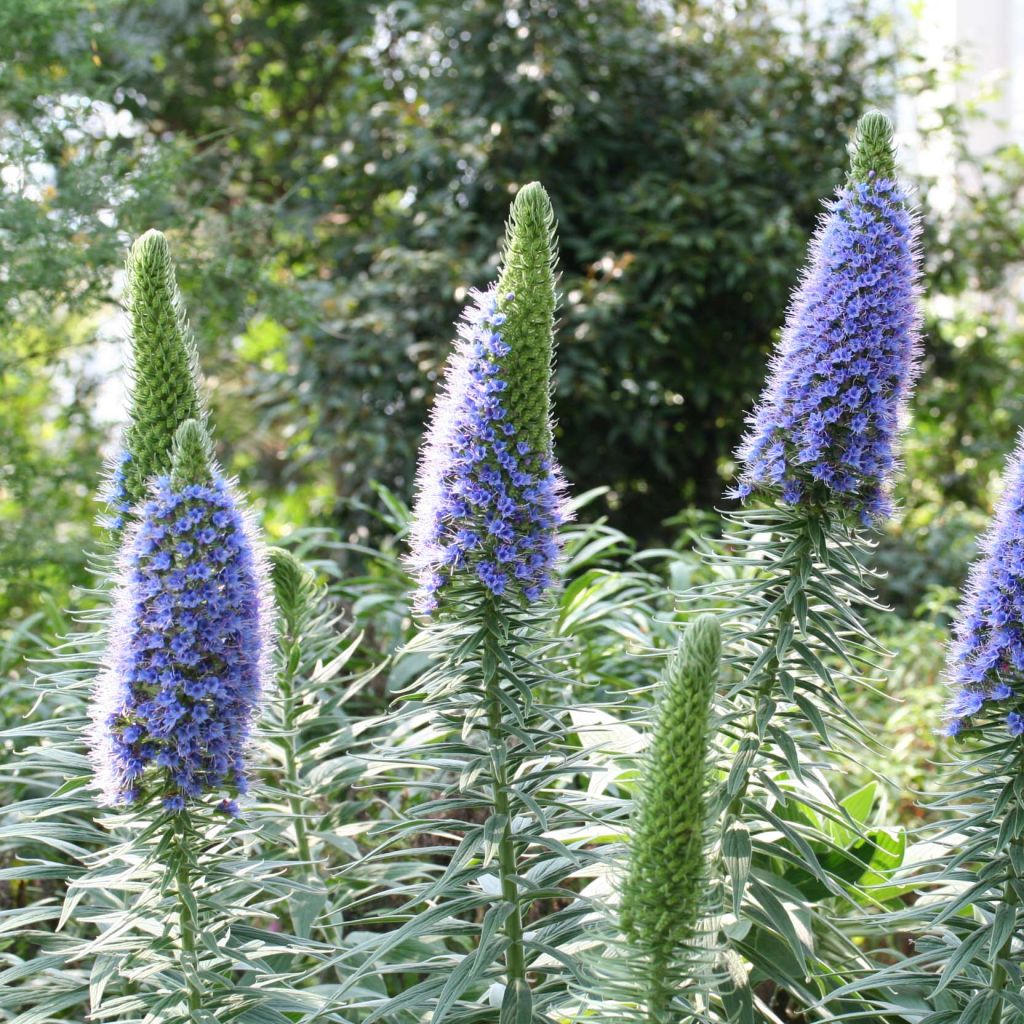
pixel 329 174
pixel 48 465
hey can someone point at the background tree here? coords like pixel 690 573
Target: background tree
pixel 334 169
pixel 328 172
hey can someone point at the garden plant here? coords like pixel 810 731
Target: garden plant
pixel 514 770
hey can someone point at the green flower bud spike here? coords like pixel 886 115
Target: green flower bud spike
pixel 163 371
pixel 663 891
pixel 295 595
pixel 192 460
pixel 526 296
pixel 872 151
pixel 294 585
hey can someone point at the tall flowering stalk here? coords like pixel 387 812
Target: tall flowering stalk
pixel 188 638
pixel 189 642
pixel 969 932
pixel 162 372
pixel 665 889
pixel 489 492
pixel 815 468
pixel 484 550
pixel 185 675
pixel 986 659
pixel 171 889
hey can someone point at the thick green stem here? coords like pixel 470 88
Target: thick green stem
pixel 659 994
pixel 998 977
pixel 291 756
pixel 769 678
pixel 186 919
pixel 515 956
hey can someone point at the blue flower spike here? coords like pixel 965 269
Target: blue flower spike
pixel 189 643
pixel 986 659
pixel 490 495
pixel 825 434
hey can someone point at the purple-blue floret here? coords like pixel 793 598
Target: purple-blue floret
pixel 115 494
pixel 188 651
pixel 488 505
pixel 986 659
pixel 825 432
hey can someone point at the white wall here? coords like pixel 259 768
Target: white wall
pixel 989 36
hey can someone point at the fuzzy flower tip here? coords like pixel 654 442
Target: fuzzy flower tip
pixel 826 431
pixel 188 651
pixel 489 492
pixel 986 659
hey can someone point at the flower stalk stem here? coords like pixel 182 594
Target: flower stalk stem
pixel 291 759
pixel 999 978
pixel 770 672
pixel 515 956
pixel 186 918
pixel 659 993
pixel 293 781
